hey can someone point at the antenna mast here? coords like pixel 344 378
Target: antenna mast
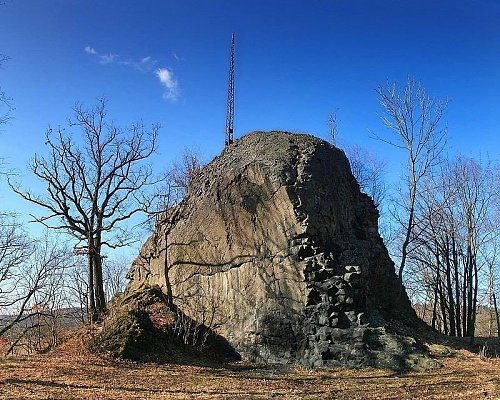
pixel 230 98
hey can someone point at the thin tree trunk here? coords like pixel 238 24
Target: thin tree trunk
pixel 470 289
pixel 170 296
pixel 439 288
pixel 449 289
pixel 442 302
pixel 491 306
pixel 406 243
pixel 496 313
pixel 434 307
pixel 457 287
pixel 464 300
pixel 474 299
pixel 436 292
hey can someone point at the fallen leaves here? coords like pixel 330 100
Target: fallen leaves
pixel 71 372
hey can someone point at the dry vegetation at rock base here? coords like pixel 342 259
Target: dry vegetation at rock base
pixel 69 372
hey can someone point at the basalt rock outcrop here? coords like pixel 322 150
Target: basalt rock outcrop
pixel 275 248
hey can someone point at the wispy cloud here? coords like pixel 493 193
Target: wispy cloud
pixel 103 58
pixel 167 79
pixel 108 58
pixel 145 64
pixel 177 58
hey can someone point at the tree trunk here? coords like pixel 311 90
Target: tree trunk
pixel 436 292
pixel 100 299
pixel 470 284
pixel 439 288
pixel 91 298
pixel 496 313
pixel 168 285
pixel 409 229
pixel 474 299
pixel 434 307
pixel 442 305
pixel 449 289
pixel 96 282
pixel 464 299
pixel 457 287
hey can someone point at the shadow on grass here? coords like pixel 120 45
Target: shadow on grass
pixel 215 392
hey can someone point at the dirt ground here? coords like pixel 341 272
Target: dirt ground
pixel 72 373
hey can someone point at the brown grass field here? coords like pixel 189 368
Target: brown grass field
pixel 69 372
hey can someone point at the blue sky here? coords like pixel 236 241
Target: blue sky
pixel 296 62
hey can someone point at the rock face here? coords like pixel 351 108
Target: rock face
pixel 276 249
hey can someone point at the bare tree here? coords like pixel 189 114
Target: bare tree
pixel 494 322
pixel 93 186
pixel 15 248
pixel 414 120
pixel 332 128
pixel 476 196
pixel 180 175
pixel 456 244
pixel 115 271
pixel 77 287
pixel 369 172
pixel 45 271
pixel 31 274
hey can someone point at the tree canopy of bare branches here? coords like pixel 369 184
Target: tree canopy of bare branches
pixel 15 248
pixel 369 173
pixel 333 128
pixel 182 172
pixel 31 273
pixel 414 121
pixel 457 243
pixel 94 183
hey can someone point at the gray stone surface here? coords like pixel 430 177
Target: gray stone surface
pixel 277 250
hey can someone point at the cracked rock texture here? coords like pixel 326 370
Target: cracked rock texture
pixel 276 249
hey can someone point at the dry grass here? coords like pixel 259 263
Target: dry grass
pixel 72 373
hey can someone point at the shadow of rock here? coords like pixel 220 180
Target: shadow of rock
pixel 143 327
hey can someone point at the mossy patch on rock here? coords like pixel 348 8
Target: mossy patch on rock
pixel 144 327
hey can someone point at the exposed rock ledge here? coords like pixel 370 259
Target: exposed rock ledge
pixel 276 249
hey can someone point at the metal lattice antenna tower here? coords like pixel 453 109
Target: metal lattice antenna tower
pixel 230 98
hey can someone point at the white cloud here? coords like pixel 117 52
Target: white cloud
pixel 171 84
pixel 145 64
pixel 90 50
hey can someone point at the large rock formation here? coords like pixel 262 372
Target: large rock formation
pixel 276 249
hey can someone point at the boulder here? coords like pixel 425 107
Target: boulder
pixel 275 248
pixel 143 326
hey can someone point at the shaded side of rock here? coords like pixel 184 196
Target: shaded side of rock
pixel 143 327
